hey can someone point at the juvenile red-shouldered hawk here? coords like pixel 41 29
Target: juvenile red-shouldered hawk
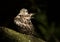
pixel 23 20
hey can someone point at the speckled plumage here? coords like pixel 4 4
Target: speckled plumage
pixel 23 20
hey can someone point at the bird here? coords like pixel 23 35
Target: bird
pixel 23 21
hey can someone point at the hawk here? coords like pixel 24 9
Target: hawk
pixel 23 21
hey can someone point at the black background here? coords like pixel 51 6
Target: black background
pixel 10 8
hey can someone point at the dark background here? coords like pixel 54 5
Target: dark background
pixel 10 8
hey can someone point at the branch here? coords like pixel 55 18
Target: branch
pixel 18 37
